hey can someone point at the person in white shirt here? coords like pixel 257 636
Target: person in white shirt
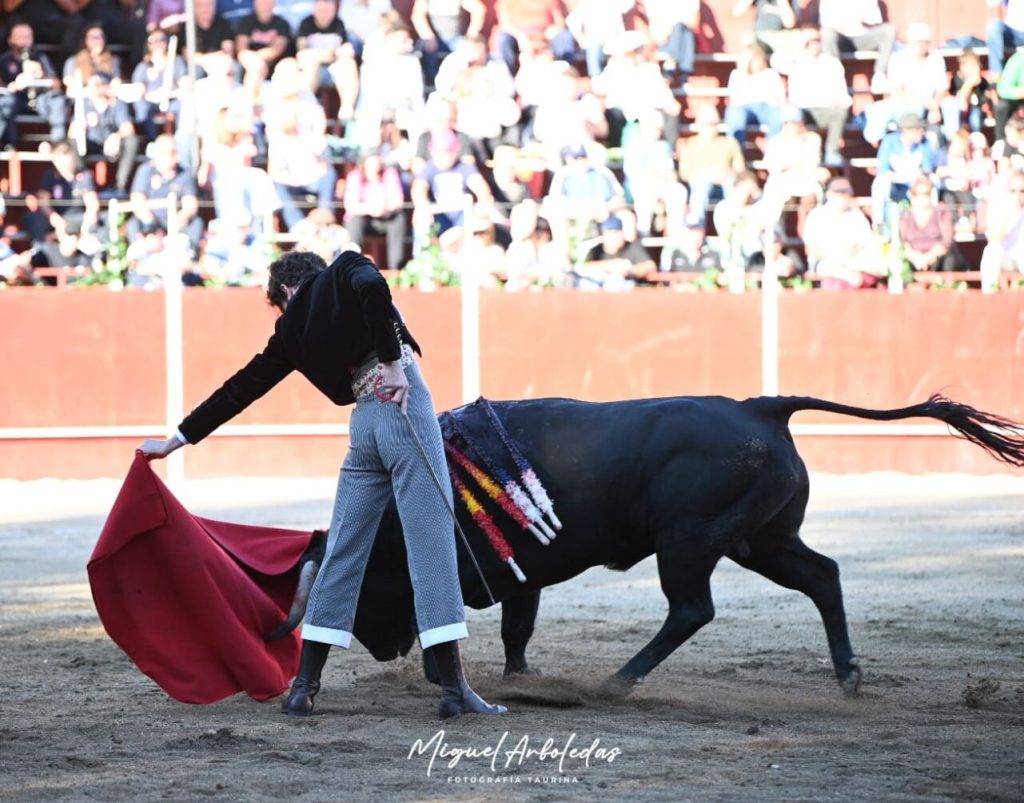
pixel 857 25
pixel 842 250
pixel 817 85
pixel 595 24
pixel 917 84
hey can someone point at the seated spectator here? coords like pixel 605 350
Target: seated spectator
pixel 321 233
pixel 233 255
pixel 903 156
pixel 156 78
pixel 361 18
pixel 686 249
pixel 774 23
pixel 632 85
pixel 1010 90
pixel 28 75
pixel 214 34
pixel 1008 151
pixel 156 179
pixel 94 57
pixel 440 117
pixel 1005 248
pixel 793 162
pixel 650 174
pixel 709 161
pixel 926 230
pixel 848 25
pixel 438 27
pixel 296 130
pixel 391 83
pixel 744 221
pixel 756 93
pixel 55 22
pixel 965 173
pixel 474 248
pixel 970 97
pixel 596 24
pixel 564 110
pixel 238 187
pixel 262 39
pixel 673 26
pixel 153 254
pixel 583 194
pixel 533 258
pixel 373 203
pixel 105 129
pixel 817 85
pixel 444 188
pixel 327 57
pixel 615 263
pixel 1004 31
pixel 484 96
pixel 65 227
pixel 842 250
pixel 519 20
pixel 917 84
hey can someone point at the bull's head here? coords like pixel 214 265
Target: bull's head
pixel 385 617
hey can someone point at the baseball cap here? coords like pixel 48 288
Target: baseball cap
pixel 791 114
pixel 612 224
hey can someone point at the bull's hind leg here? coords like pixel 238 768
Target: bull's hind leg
pixel 687 585
pixel 795 565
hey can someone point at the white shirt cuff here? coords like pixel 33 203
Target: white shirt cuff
pixel 181 438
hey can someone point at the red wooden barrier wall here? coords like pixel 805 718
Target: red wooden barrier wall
pixel 92 357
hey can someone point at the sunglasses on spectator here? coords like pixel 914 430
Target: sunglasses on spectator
pixel 153 39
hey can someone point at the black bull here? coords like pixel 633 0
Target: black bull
pixel 690 480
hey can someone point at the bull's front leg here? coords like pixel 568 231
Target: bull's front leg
pixel 686 582
pixel 518 615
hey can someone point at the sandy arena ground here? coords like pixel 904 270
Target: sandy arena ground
pixel 747 710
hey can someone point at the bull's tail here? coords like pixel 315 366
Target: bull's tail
pixel 999 436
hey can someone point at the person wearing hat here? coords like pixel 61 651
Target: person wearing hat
pixel 917 74
pixel 842 250
pixel 708 161
pixel 615 263
pixel 848 25
pixel 583 193
pixel 902 156
pixel 441 191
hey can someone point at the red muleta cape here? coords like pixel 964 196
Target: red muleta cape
pixel 188 598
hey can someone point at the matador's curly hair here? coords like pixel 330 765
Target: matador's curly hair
pixel 291 270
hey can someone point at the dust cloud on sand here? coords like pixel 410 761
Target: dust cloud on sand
pixel 749 709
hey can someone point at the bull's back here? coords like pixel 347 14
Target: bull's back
pixel 617 471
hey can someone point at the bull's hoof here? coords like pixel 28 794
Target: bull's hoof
pixel 850 682
pixel 518 670
pixel 619 686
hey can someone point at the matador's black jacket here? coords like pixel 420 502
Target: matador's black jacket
pixel 336 321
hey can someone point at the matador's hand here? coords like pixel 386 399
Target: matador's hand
pixel 395 383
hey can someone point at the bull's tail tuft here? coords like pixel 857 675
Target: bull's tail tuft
pixel 999 436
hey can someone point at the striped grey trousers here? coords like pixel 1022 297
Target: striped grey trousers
pixel 384 460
